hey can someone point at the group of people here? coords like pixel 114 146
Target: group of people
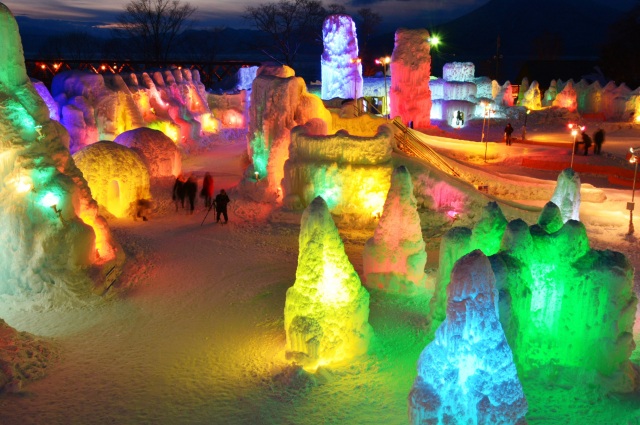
pixel 597 141
pixel 187 188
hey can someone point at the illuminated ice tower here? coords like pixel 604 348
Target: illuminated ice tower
pixel 466 375
pixel 394 258
pixel 341 67
pixel 50 228
pixel 326 311
pixel 410 96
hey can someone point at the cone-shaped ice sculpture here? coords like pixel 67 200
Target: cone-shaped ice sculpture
pixel 326 311
pixel 567 195
pixel 394 258
pixel 49 224
pixel 466 375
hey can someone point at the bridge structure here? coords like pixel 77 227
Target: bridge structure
pixel 210 72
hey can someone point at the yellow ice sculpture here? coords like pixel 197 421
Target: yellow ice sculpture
pixel 326 311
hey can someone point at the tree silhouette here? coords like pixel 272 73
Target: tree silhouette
pixel 289 24
pixel 154 25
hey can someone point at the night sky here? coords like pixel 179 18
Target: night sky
pixel 228 12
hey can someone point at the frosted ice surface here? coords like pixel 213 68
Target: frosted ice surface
pixel 567 195
pixel 341 71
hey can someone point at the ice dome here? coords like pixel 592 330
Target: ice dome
pixel 161 155
pixel 116 174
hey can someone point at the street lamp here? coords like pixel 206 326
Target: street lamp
pixel 575 129
pixel 384 61
pixel 633 159
pixel 487 111
pixel 524 127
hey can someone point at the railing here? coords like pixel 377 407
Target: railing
pixel 409 144
pixel 210 72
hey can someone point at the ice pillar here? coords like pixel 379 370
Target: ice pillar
pixel 410 96
pixel 341 67
pixel 394 258
pixel 466 375
pixel 326 310
pixel 567 195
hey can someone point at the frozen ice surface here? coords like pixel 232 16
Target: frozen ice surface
pixel 160 154
pixel 567 194
pixel 340 67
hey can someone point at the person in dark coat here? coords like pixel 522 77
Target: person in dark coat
pixel 598 140
pixel 191 189
pixel 178 191
pixel 508 130
pixel 221 205
pixel 586 140
pixel 207 190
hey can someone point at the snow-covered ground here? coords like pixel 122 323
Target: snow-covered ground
pixel 195 333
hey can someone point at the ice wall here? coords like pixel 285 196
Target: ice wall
pixel 326 311
pixel 44 251
pixel 458 92
pixel 350 172
pixel 279 102
pixel 466 375
pixel 341 69
pixel 117 176
pixel 159 153
pixel 409 96
pixel 567 195
pixel 100 107
pixel 567 310
pixel 395 257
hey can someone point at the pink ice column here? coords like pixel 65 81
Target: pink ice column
pixel 410 96
pixel 395 257
pixel 341 69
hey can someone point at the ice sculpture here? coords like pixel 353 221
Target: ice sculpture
pixel 566 97
pixel 394 258
pixel 458 93
pixel 341 69
pixel 567 310
pixel 50 224
pixel 279 102
pixel 459 241
pixel 567 194
pixel 326 311
pixel 531 98
pixel 466 375
pixel 351 173
pixel 159 153
pixel 410 97
pixel 117 176
pixel 23 358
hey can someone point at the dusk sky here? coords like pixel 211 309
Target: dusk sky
pixel 228 12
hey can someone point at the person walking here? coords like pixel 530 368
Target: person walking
pixel 221 205
pixel 178 191
pixel 508 130
pixel 207 190
pixel 598 140
pixel 191 189
pixel 586 141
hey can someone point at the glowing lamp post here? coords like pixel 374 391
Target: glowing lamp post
pixel 355 62
pixel 487 111
pixel 575 129
pixel 633 159
pixel 384 62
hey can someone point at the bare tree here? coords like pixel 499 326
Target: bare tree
pixel 155 24
pixel 289 24
pixel 336 9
